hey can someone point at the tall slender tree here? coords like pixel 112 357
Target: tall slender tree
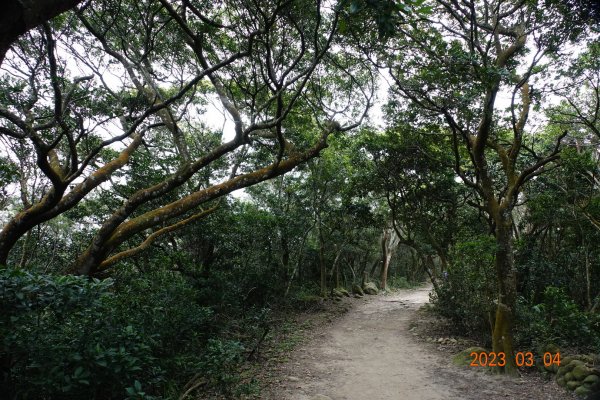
pixel 474 67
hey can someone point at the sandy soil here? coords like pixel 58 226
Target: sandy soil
pixel 371 353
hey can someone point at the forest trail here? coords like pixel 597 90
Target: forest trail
pixel 371 353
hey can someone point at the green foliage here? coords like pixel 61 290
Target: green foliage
pixel 386 15
pixel 558 246
pixel 221 362
pixel 556 320
pixel 468 292
pixel 135 392
pixel 9 172
pixel 71 337
pixel 198 300
pixel 190 319
pixel 63 341
pixel 306 298
pixel 400 282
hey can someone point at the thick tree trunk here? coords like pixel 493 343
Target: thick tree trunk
pixel 26 220
pixel 443 262
pixel 502 335
pixel 427 262
pixel 56 202
pixel 434 282
pixel 18 16
pixel 431 263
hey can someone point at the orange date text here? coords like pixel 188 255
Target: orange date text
pixel 522 359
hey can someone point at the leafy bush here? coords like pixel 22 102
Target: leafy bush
pixel 139 337
pixel 305 298
pixel 60 341
pixel 221 362
pixel 556 320
pixel 468 291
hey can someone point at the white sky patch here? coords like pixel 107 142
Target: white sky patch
pixel 216 118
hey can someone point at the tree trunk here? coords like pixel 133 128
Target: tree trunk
pixel 385 257
pixel 117 228
pixel 431 263
pixel 19 16
pixel 502 335
pixel 299 260
pixel 285 255
pixel 349 263
pixel 336 266
pixel 432 275
pixel 434 282
pixel 443 262
pixel 384 270
pixel 374 267
pixel 24 251
pixel 588 287
pixel 322 265
pixel 390 243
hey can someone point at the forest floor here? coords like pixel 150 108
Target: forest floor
pixel 388 347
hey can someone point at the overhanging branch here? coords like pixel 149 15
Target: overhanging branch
pixel 155 235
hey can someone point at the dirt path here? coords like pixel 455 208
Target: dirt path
pixel 370 353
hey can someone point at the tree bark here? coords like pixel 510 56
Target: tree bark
pixel 335 268
pixel 107 241
pixel 19 16
pixel 322 265
pixel 55 202
pixel 389 242
pixel 502 335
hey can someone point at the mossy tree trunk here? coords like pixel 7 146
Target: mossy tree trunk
pixel 488 148
pixel 502 334
pixel 115 231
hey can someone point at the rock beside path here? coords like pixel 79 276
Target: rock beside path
pixel 370 288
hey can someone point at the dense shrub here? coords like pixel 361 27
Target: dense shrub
pixel 220 364
pixel 61 341
pixel 467 292
pixel 556 320
pixel 141 337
